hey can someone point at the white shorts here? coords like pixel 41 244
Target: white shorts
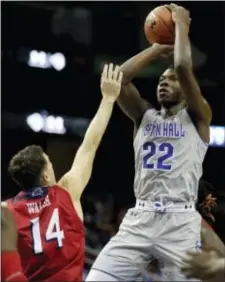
pixel 150 231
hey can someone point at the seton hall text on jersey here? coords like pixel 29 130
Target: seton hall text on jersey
pixel 167 129
pixel 37 207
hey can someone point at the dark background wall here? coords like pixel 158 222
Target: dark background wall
pixel 85 33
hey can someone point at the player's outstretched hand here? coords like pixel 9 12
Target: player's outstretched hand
pixel 200 265
pixel 111 82
pixel 180 14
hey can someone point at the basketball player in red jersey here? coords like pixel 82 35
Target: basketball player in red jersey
pixel 49 215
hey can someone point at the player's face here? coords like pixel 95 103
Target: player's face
pixel 169 90
pixel 48 173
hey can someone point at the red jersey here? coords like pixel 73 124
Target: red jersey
pixel 50 234
pixel 11 267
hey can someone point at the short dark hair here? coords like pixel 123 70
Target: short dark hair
pixel 27 165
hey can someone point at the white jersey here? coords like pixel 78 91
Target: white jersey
pixel 168 157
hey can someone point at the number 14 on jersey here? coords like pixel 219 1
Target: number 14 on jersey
pixel 53 232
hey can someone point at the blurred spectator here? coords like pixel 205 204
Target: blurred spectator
pixel 211 205
pixel 100 225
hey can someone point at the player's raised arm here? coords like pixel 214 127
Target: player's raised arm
pixel 183 66
pixel 130 100
pixel 77 178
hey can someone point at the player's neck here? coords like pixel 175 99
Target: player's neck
pixel 44 184
pixel 171 111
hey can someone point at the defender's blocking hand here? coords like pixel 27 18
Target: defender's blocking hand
pixel 111 80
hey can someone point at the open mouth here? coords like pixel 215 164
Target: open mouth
pixel 163 92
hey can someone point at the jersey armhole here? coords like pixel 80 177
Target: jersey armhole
pixel 205 144
pixel 63 190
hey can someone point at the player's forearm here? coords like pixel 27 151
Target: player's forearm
pixel 135 64
pixel 182 48
pixel 98 125
pixel 183 67
pixel 83 162
pixel 76 179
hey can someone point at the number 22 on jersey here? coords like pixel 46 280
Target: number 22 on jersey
pixel 53 232
pixel 151 149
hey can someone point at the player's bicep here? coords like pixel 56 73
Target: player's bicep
pixel 76 179
pixel 132 104
pixel 195 101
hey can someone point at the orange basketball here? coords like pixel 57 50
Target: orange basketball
pixel 159 26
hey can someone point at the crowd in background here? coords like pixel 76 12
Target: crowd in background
pixel 101 221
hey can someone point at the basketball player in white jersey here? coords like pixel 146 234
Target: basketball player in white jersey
pixel 170 146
